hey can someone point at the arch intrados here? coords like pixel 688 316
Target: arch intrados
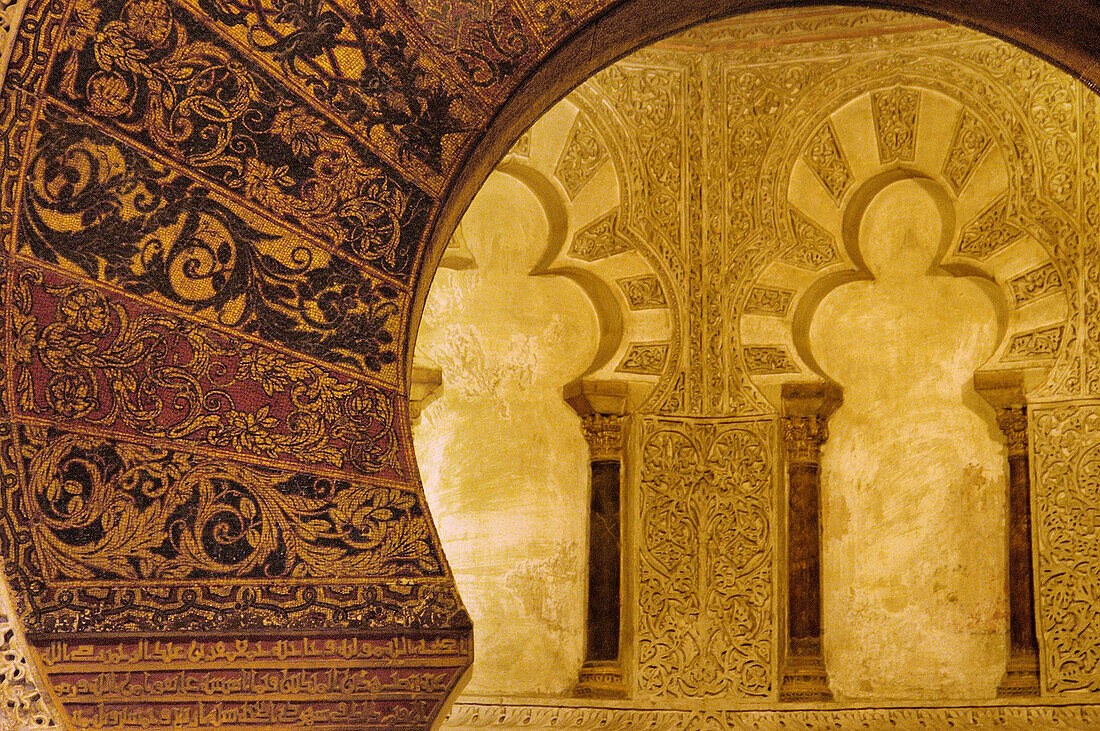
pixel 1062 34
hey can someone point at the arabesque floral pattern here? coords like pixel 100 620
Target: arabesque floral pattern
pixel 79 355
pixel 101 508
pixel 122 218
pixel 153 73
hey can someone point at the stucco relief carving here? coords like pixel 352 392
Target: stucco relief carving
pixel 895 113
pixel 599 240
pixel 814 247
pixel 990 231
pixel 1036 283
pixel 11 13
pixel 644 292
pixel 1065 458
pixel 583 154
pixel 826 159
pixel 759 107
pixel 761 360
pixel 1042 344
pixel 969 144
pixel 489 715
pixel 769 301
pixel 714 343
pixel 22 706
pixel 706 516
pixel 647 359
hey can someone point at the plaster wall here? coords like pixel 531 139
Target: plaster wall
pixel 913 480
pixel 504 464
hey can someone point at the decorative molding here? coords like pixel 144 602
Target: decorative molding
pixel 601 680
pixel 474 715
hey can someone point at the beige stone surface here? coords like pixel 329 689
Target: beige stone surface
pixel 913 483
pixel 504 463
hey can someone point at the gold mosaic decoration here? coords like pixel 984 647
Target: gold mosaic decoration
pixel 214 220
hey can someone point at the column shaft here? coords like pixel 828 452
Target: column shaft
pixel 807 408
pixel 1022 671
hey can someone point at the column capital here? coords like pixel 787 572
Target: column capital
pixel 1013 422
pixel 1005 392
pixel 602 406
pixel 803 437
pixel 604 434
pixel 806 411
pixel 425 384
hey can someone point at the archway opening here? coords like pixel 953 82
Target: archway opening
pixel 739 163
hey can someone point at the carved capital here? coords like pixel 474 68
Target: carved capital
pixel 1013 422
pixel 803 437
pixel 1004 390
pixel 604 434
pixel 807 408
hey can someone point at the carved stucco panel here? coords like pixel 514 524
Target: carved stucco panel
pixel 705 622
pixel 1065 458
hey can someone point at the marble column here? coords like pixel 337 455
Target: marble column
pixel 806 410
pixel 601 406
pixel 1004 390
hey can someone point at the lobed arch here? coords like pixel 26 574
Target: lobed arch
pixel 564 172
pixel 1061 35
pixel 994 237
